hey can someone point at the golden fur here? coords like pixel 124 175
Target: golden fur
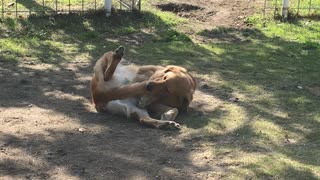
pixel 136 90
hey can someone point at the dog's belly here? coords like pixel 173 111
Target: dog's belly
pixel 124 74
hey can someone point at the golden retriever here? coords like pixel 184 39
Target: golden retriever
pixel 135 91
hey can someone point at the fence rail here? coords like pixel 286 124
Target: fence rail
pixel 16 8
pixel 298 7
pixel 41 7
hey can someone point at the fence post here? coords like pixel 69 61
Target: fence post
pixel 107 6
pixel 285 8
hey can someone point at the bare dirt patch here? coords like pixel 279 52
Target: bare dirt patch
pixel 49 129
pixel 211 13
pixel 206 15
pixel 172 7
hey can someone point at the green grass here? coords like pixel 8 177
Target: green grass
pixel 303 6
pixel 272 133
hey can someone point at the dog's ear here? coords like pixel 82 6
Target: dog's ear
pixel 194 82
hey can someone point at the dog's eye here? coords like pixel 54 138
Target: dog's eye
pixel 165 77
pixel 149 86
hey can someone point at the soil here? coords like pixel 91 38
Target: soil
pixel 212 13
pixel 50 130
pixel 206 15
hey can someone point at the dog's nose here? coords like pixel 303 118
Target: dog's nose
pixel 149 86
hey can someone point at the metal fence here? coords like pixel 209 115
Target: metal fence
pixel 17 8
pixel 297 7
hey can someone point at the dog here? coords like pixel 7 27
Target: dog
pixel 134 91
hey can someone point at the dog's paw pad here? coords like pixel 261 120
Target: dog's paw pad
pixel 171 125
pixel 119 51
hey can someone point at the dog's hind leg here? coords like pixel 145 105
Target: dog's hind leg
pixel 127 108
pixel 144 118
pixel 165 112
pixel 113 63
pixel 160 124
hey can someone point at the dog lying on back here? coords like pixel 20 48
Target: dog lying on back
pixel 134 91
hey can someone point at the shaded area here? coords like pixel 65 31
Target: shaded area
pixel 48 79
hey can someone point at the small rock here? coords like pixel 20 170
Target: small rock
pixel 234 99
pixel 31 63
pixel 11 4
pixel 299 87
pixel 178 149
pixel 82 130
pixel 61 152
pixel 203 85
pixel 24 81
pixel 30 105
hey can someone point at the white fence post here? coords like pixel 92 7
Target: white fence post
pixel 285 8
pixel 107 7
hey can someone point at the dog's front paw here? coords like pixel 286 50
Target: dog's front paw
pixel 171 125
pixel 145 101
pixel 170 115
pixel 141 103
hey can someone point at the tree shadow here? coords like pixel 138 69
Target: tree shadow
pixel 278 67
pixel 56 82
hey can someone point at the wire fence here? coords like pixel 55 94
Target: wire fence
pixel 18 8
pixel 296 7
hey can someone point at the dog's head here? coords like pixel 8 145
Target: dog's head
pixel 173 87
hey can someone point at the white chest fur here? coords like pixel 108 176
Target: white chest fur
pixel 124 74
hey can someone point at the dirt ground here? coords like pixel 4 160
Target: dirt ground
pixel 211 13
pixel 205 15
pixel 49 129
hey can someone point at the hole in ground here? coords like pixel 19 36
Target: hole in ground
pixel 172 7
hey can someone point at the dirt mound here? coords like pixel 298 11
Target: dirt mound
pixel 173 7
pixel 206 14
